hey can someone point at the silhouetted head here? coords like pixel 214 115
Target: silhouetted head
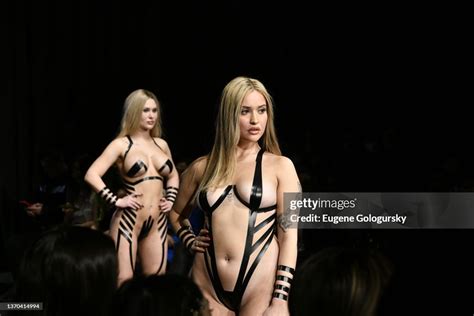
pixel 159 295
pixel 340 281
pixel 72 270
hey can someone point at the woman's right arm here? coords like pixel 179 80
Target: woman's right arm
pixel 100 166
pixel 183 207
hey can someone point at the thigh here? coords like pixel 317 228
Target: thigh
pixel 258 294
pixel 152 250
pixel 216 307
pixel 124 230
pixel 201 278
pixel 255 306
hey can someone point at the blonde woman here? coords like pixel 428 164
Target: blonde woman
pixel 244 257
pixel 139 224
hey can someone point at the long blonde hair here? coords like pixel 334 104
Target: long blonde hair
pixel 221 163
pixel 132 113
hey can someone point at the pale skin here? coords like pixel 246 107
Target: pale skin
pixel 146 201
pixel 230 220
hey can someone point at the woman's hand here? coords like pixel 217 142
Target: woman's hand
pixel 165 205
pixel 130 201
pixel 202 241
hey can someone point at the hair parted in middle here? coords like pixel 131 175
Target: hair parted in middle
pixel 221 161
pixel 132 112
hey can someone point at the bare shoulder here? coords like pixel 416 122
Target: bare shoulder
pixel 161 142
pixel 286 174
pixel 119 143
pixel 199 165
pixel 115 148
pixel 281 163
pixel 195 170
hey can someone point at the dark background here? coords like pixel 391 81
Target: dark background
pixel 368 98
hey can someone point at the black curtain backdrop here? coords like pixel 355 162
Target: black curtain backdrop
pixel 367 98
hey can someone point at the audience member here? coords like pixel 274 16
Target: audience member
pixel 169 294
pixel 72 270
pixel 340 281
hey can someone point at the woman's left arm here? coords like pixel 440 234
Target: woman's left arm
pixel 287 239
pixel 172 181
